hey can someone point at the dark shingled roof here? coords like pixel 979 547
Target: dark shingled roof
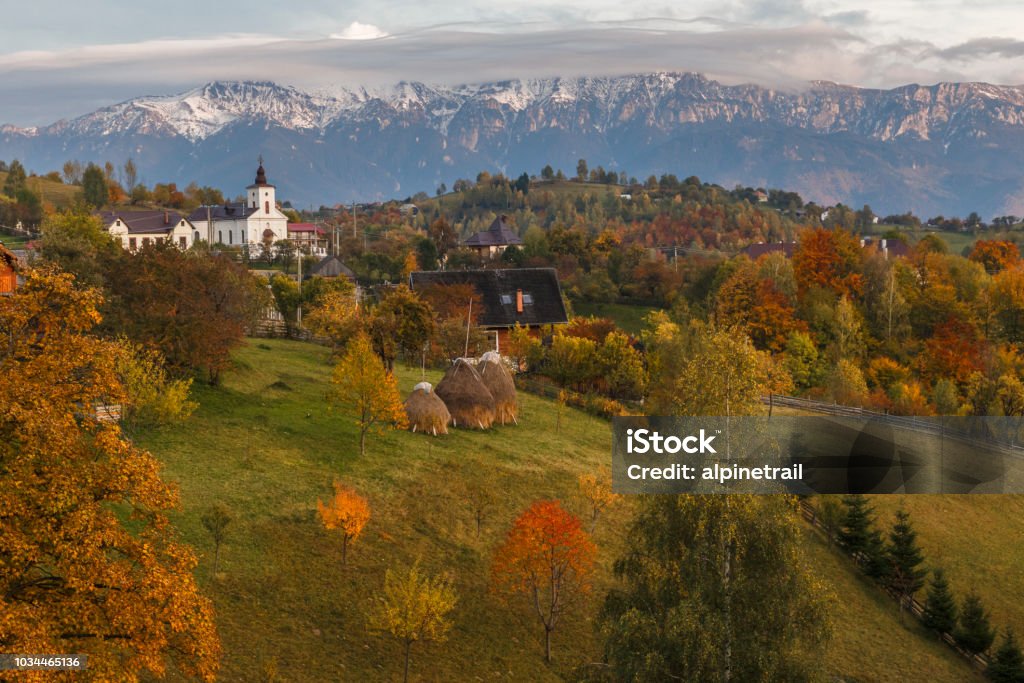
pixel 541 284
pixel 498 235
pixel 331 266
pixel 144 221
pixel 227 212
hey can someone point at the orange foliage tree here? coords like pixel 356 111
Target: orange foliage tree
pixel 995 255
pixel 830 259
pixel 365 390
pixel 89 561
pixel 548 558
pixel 346 511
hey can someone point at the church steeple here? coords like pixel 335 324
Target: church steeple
pixel 261 175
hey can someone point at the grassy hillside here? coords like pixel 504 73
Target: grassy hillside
pixel 266 445
pixel 58 194
pixel 977 540
pixel 628 317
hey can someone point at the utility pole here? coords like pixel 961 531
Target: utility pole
pixel 298 311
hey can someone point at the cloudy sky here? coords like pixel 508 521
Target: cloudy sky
pixel 61 59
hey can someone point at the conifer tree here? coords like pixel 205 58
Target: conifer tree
pixel 905 575
pixel 877 564
pixel 855 532
pixel 940 610
pixel 974 632
pixel 1007 664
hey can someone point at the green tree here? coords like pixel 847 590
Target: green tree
pixel 855 531
pixel 906 575
pixel 94 186
pixel 411 320
pixel 705 577
pixel 831 513
pixel 413 608
pixel 76 241
pixel 16 179
pixel 216 521
pixel 581 170
pixel 974 632
pixel 940 610
pixel 1007 664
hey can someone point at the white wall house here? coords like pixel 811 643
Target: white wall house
pixel 256 222
pixel 136 229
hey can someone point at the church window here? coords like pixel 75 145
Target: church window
pixel 266 207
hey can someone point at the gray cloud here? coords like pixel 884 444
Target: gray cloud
pixel 38 88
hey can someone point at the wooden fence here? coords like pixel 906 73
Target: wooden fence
pixel 913 606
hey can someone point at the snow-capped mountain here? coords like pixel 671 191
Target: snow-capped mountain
pixel 947 148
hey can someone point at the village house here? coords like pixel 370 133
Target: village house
pixel 258 221
pixel 308 238
pixel 136 229
pixel 494 240
pixel 530 297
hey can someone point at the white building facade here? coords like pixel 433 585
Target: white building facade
pixel 256 223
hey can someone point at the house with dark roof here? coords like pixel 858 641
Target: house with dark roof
pixel 494 240
pixel 887 247
pixel 530 297
pixel 331 266
pixel 136 229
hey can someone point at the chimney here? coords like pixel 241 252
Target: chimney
pixel 167 218
pixel 519 301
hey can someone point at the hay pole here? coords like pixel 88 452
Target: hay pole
pixel 469 320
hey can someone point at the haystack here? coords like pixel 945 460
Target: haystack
pixel 427 412
pixel 469 402
pixel 498 381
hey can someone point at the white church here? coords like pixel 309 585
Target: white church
pixel 256 222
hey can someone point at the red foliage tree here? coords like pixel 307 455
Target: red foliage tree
pixel 547 558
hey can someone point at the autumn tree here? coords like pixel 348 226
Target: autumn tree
pixel 194 307
pixel 334 315
pixel 152 398
pixel 89 560
pixel 405 318
pixel 829 259
pixel 595 488
pixel 413 608
pixel 703 580
pixel 346 511
pixel 546 558
pixel 995 255
pixel 363 389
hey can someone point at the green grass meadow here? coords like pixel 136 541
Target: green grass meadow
pixel 266 444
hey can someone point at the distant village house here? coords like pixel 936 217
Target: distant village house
pixel 494 240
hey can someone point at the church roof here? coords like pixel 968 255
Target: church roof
pixel 228 212
pixel 498 235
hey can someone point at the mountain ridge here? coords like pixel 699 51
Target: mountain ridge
pixel 943 148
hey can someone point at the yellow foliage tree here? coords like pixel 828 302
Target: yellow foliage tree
pixel 89 562
pixel 366 391
pixel 335 315
pixel 409 266
pixel 346 511
pixel 413 608
pixel 596 490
